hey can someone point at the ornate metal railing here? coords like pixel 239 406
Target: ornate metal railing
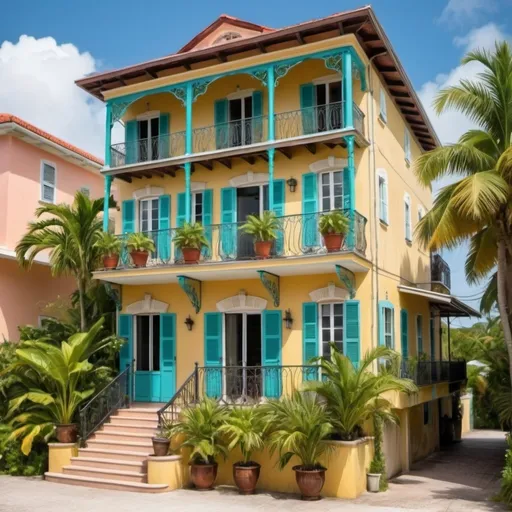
pixel 237 385
pixel 424 373
pixel 440 272
pixel 297 235
pixel 115 395
pixel 147 150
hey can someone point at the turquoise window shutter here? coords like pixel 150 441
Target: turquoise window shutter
pixel 432 340
pixel 309 337
pixel 279 202
pixel 163 241
pixel 307 107
pixel 128 225
pixel 208 221
pixel 346 189
pixel 125 331
pixel 180 218
pixel 309 210
pixel 213 354
pixel 131 136
pixel 229 227
pixel 272 341
pixel 419 333
pixel 351 331
pixel 382 343
pixel 404 330
pixel 167 356
pixel 164 141
pixel 221 123
pixel 257 119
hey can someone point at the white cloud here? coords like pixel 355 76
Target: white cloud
pixel 37 85
pixel 460 11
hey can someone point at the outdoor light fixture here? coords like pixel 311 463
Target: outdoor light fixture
pixel 189 323
pixel 288 319
pixel 292 183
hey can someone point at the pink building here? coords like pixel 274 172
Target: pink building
pixel 35 167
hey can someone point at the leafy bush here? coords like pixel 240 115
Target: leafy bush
pixel 378 464
pixel 506 475
pixel 14 463
pixel 190 236
pixel 335 222
pixel 264 228
pixel 140 242
pixel 108 244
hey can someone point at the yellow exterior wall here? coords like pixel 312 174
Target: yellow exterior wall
pixel 59 455
pixel 466 414
pixel 168 470
pixel 424 438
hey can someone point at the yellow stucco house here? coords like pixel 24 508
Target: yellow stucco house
pixel 301 120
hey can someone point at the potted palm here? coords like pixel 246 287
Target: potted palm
pixel 299 426
pixel 110 247
pixel 200 429
pixel 376 476
pixel 139 245
pixel 190 239
pixel 245 427
pixel 264 230
pixel 333 226
pixel 162 440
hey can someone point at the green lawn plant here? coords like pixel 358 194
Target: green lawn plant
pixel 335 222
pixel 190 236
pixel 140 242
pixel 264 228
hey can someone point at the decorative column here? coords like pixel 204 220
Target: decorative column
pixel 271 135
pixel 108 134
pixel 346 81
pixel 188 150
pixel 106 201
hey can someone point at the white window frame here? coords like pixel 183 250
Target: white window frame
pixel 194 202
pixel 407 146
pixel 419 334
pixel 407 218
pixel 331 189
pixel 331 327
pixel 47 183
pixel 382 176
pixel 139 212
pixel 135 342
pixel 326 81
pixel 240 95
pixel 148 116
pixel 383 114
pixel 391 333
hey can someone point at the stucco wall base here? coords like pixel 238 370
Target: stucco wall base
pixel 168 470
pixel 59 455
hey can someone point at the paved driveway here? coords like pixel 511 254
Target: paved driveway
pixel 463 478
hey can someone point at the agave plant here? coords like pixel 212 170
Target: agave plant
pixel 190 236
pixel 335 222
pixel 108 244
pixel 200 427
pixel 140 242
pixel 245 427
pixel 264 228
pixel 354 394
pixel 299 426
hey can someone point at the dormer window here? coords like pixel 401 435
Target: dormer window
pixel 228 36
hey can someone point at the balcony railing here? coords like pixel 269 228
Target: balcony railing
pixel 424 373
pixel 297 236
pixel 240 133
pixel 440 272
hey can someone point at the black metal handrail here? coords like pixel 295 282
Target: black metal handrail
pixel 117 394
pixel 440 271
pixel 424 373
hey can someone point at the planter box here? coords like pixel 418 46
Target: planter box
pixel 59 455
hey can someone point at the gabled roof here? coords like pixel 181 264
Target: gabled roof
pixel 223 24
pixel 6 119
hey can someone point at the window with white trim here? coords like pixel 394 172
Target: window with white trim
pixel 197 207
pixel 389 331
pixel 328 97
pixel 331 327
pixel 407 146
pixel 148 132
pixel 383 196
pixel 331 190
pixel 383 107
pixel 421 213
pixel 419 334
pixel 149 213
pixel 48 182
pixel 147 343
pixel 407 218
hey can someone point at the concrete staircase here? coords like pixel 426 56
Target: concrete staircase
pixel 115 457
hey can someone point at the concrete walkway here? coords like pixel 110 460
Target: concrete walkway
pixel 464 477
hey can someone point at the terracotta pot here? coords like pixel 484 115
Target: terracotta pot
pixel 246 477
pixel 110 262
pixel 139 258
pixel 191 255
pixel 263 249
pixel 67 433
pixel 203 475
pixel 310 482
pixel 333 241
pixel 161 446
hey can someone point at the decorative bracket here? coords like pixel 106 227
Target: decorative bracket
pixel 271 283
pixel 334 62
pixel 180 93
pixel 260 74
pixel 192 287
pixel 347 278
pixel 114 294
pixel 199 88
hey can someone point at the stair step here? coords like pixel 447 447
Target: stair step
pixel 131 426
pixel 103 453
pixel 142 447
pixel 121 436
pixel 105 474
pixel 115 464
pixel 137 413
pixel 149 418
pixel 100 483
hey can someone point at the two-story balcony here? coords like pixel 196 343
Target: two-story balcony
pixel 249 136
pixel 440 274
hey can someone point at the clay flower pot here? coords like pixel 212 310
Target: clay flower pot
pixel 161 446
pixel 246 476
pixel 263 249
pixel 191 255
pixel 139 258
pixel 333 241
pixel 66 433
pixel 310 482
pixel 110 262
pixel 203 475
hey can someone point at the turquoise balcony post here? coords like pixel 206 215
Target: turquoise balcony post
pixel 188 151
pixel 108 133
pixel 106 201
pixel 348 112
pixel 271 135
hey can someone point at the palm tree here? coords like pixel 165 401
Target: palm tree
pixel 70 233
pixel 476 208
pixel 354 394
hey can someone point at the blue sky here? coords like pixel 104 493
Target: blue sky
pixel 48 44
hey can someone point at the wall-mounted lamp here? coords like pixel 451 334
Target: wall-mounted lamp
pixel 292 183
pixel 189 323
pixel 288 320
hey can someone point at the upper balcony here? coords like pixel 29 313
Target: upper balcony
pixel 440 274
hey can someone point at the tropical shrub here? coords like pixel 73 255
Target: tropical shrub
pixel 263 228
pixel 378 463
pixel 13 462
pixel 299 426
pixel 335 222
pixel 190 236
pixel 505 494
pixel 108 244
pixel 140 242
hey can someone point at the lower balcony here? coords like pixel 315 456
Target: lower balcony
pixel 425 373
pixel 440 274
